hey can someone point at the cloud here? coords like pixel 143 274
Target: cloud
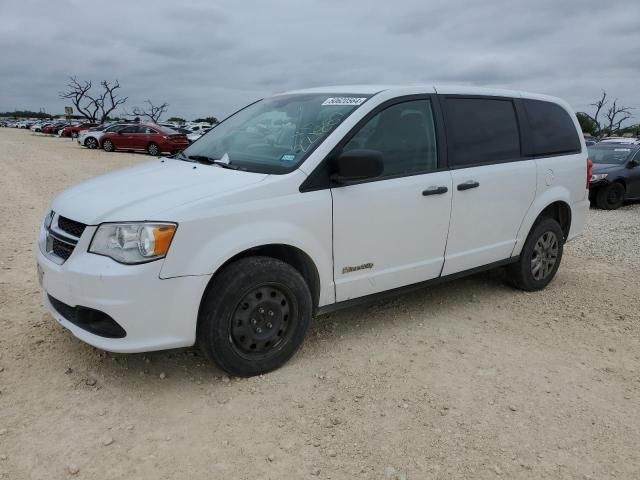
pixel 207 58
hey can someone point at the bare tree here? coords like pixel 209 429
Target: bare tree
pixel 109 100
pixel 93 108
pixel 599 104
pixel 78 93
pixel 616 115
pixel 152 112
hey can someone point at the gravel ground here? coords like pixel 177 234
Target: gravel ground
pixel 467 380
pixel 611 241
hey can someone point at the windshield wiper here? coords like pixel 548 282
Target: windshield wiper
pixel 213 161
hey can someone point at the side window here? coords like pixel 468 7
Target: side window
pixel 405 135
pixel 130 129
pixel 481 130
pixel 147 130
pixel 552 129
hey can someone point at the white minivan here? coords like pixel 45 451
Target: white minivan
pixel 310 201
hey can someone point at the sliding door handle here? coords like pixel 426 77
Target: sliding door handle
pixel 468 185
pixel 434 191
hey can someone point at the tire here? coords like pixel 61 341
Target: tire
pixel 540 257
pixel 107 146
pixel 254 316
pixel 91 143
pixel 610 197
pixel 153 149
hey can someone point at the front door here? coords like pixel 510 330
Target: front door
pixel 391 231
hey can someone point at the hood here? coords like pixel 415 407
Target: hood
pixel 144 191
pixel 605 167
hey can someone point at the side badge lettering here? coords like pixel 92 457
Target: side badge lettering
pixel 356 268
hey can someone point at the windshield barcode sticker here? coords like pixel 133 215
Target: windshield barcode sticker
pixel 344 101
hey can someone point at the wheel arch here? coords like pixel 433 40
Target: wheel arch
pixel 554 204
pixel 288 254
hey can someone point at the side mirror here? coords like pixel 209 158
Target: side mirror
pixel 119 132
pixel 634 163
pixel 355 165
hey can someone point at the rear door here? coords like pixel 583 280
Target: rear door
pixel 493 184
pixel 391 231
pixel 125 138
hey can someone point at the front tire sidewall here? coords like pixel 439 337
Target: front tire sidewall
pixel 107 146
pixel 221 300
pixel 603 196
pixel 520 272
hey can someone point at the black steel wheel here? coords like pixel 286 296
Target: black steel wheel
pixel 254 316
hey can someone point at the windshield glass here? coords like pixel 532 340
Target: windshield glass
pixel 275 134
pixel 612 156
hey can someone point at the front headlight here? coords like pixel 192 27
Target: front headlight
pixel 598 176
pixel 133 243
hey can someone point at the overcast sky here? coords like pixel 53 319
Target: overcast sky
pixel 210 58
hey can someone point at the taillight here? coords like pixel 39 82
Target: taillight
pixel 589 169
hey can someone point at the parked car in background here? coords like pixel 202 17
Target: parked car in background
pixel 197 127
pixel 237 242
pixel 91 138
pixel 615 175
pixel 620 140
pixel 37 127
pixel 54 128
pixel 193 136
pixel 150 138
pixel 74 129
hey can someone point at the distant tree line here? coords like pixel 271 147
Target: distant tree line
pixel 98 104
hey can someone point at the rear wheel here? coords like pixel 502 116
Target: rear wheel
pixel 107 146
pixel 153 149
pixel 611 196
pixel 540 257
pixel 254 316
pixel 91 143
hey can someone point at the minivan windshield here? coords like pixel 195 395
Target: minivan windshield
pixel 610 155
pixel 275 134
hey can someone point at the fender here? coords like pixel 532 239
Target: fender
pixel 206 246
pixel 553 194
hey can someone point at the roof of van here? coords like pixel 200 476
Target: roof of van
pixel 418 88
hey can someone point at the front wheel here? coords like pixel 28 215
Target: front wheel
pixel 107 146
pixel 153 149
pixel 91 143
pixel 611 196
pixel 254 316
pixel 540 257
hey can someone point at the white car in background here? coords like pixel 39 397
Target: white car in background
pixel 621 140
pixel 91 138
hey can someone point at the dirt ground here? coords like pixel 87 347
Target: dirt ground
pixel 470 379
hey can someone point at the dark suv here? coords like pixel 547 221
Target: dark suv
pixel 615 176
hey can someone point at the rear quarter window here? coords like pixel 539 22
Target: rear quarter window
pixel 551 129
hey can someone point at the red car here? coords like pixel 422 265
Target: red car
pixel 153 139
pixel 73 130
pixel 52 127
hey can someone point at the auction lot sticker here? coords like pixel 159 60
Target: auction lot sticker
pixel 343 101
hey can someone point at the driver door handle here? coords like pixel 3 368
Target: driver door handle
pixel 468 185
pixel 434 191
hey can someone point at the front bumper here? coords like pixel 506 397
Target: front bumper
pixel 155 313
